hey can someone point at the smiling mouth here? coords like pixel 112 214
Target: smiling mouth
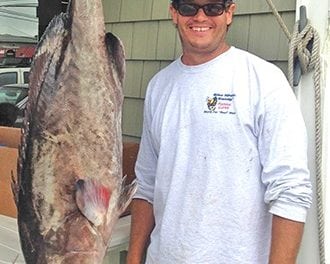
pixel 200 29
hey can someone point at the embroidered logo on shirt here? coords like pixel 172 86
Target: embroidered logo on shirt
pixel 220 103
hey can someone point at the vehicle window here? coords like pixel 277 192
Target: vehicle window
pixel 26 77
pixel 21 96
pixel 10 95
pixel 8 78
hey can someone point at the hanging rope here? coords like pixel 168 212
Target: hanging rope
pixel 279 19
pixel 309 60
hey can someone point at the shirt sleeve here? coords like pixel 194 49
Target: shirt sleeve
pixel 146 164
pixel 283 153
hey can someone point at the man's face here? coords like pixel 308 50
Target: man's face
pixel 202 34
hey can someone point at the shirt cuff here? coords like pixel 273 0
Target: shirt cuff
pixel 141 197
pixel 289 211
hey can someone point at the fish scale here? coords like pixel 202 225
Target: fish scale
pixel 70 191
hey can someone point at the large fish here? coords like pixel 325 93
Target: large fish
pixel 70 191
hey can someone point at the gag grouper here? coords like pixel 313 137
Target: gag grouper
pixel 70 191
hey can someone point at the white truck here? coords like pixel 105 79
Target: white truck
pixel 14 75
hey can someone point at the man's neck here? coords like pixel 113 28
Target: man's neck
pixel 194 58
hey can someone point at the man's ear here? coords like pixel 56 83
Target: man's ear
pixel 230 13
pixel 174 14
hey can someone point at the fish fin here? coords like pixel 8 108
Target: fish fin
pixel 126 194
pixel 48 50
pixel 46 59
pixel 47 53
pixel 92 199
pixel 116 54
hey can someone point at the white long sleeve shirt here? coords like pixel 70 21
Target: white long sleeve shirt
pixel 223 148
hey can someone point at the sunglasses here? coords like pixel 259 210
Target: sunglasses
pixel 215 9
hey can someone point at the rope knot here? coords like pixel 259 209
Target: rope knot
pixel 304 45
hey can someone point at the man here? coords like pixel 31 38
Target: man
pixel 222 167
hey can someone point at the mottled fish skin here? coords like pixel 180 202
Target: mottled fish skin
pixel 71 144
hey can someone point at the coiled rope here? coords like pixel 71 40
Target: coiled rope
pixel 309 61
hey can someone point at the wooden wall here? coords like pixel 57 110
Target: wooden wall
pixel 151 43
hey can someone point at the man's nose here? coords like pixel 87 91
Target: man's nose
pixel 200 15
